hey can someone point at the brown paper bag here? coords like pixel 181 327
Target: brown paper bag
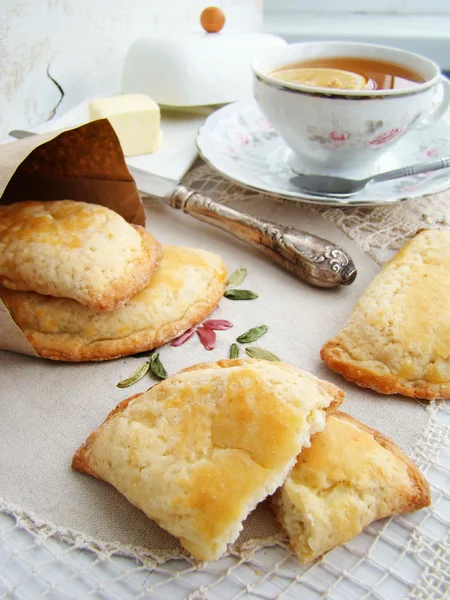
pixel 86 164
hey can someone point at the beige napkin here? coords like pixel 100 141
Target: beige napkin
pixel 47 409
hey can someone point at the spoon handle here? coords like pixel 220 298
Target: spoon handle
pixel 435 165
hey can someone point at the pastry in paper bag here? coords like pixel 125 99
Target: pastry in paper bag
pixel 70 249
pixel 185 288
pixel 83 164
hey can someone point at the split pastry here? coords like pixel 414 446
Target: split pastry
pixel 199 450
pixel 397 339
pixel 186 287
pixel 74 250
pixel 350 476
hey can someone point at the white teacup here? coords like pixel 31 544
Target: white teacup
pixel 346 132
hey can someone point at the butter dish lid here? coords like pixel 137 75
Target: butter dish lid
pixel 196 69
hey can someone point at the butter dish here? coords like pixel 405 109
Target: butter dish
pixel 197 69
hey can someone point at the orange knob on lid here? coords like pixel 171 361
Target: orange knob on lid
pixel 212 19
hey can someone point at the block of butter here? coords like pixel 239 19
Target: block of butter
pixel 135 119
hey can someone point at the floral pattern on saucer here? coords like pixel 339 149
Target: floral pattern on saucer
pixel 239 142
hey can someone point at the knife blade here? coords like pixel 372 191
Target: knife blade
pixel 313 259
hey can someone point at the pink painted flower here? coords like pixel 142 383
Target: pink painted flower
pixel 409 188
pixel 265 124
pixel 243 139
pixel 338 136
pixel 431 152
pixel 387 136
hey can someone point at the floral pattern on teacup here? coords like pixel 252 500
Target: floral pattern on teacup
pixel 331 140
pixel 241 144
pixel 374 126
pixel 336 138
pixel 387 136
pixel 339 136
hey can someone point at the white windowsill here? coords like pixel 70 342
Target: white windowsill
pixel 425 34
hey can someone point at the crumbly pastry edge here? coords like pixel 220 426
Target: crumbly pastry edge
pixel 420 499
pixel 340 361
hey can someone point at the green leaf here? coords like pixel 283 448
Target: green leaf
pixel 138 374
pixel 252 334
pixel 260 353
pixel 240 295
pixel 157 367
pixel 237 277
pixel 143 354
pixel 234 350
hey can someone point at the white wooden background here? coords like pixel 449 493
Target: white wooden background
pixel 83 44
pixel 361 6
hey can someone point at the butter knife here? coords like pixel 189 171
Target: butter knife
pixel 315 260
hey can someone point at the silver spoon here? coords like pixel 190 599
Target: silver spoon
pixel 339 187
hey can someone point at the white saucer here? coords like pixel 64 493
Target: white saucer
pixel 240 143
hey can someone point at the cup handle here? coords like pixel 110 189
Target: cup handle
pixel 440 111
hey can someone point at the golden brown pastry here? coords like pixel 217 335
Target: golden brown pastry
pixel 185 288
pixel 397 339
pixel 75 250
pixel 350 476
pixel 199 450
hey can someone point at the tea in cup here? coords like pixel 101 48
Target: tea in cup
pixel 340 106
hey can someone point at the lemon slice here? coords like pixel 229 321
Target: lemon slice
pixel 327 78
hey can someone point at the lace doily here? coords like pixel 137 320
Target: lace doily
pixel 405 557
